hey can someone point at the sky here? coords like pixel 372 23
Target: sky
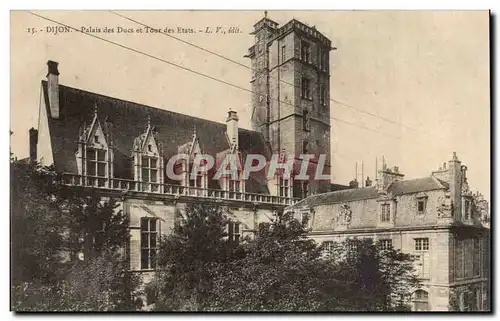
pixel 427 72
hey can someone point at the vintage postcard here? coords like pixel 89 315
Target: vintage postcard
pixel 251 161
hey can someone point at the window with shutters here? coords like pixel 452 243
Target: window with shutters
pixel 149 242
pixel 420 300
pixel 421 257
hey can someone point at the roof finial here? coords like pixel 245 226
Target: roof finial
pixel 149 121
pixel 194 130
pixel 265 14
pixel 95 109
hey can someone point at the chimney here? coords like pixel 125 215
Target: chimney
pixel 33 133
pixel 354 183
pixel 368 182
pixel 232 128
pixel 53 88
pixel 386 177
pixel 455 182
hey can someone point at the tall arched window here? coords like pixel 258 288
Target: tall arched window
pixel 421 300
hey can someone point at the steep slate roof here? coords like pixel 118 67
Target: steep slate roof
pixel 396 188
pixel 129 121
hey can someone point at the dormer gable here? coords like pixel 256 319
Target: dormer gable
pixel 148 160
pixel 147 143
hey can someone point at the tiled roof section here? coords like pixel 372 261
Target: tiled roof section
pixel 397 188
pixel 129 121
pixel 339 196
pixel 417 185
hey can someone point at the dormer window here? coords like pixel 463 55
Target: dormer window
pixel 385 213
pixel 284 186
pixel 96 139
pixel 467 209
pixel 149 173
pixel 421 203
pixel 150 148
pixel 96 162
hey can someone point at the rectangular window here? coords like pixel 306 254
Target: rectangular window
pixel 421 244
pixel 306 88
pixel 96 162
pixel 305 147
pixel 305 189
pixel 234 231
pixel 283 53
pixel 234 186
pixel 305 53
pixel 385 244
pixel 149 238
pixel 421 205
pixel 385 213
pixel 327 247
pixel 476 261
pixel 467 210
pixel 284 186
pixel 322 95
pixel 459 259
pixel 149 169
pixel 305 120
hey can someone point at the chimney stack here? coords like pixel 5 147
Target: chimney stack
pixel 53 88
pixel 354 183
pixel 232 128
pixel 33 133
pixel 455 181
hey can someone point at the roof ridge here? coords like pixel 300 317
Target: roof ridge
pixel 148 107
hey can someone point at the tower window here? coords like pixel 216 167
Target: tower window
pixel 305 53
pixel 305 120
pixel 306 88
pixel 305 147
pixel 322 95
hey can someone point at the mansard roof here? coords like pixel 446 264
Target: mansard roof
pixel 355 194
pixel 129 120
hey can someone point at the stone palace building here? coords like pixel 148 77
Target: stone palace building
pixel 121 149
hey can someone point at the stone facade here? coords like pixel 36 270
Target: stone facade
pixel 425 217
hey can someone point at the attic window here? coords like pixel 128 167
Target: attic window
pixel 150 148
pixel 421 206
pixel 96 139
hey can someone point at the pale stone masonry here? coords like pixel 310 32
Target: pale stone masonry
pixel 436 218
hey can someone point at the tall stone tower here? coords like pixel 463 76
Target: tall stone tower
pixel 290 92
